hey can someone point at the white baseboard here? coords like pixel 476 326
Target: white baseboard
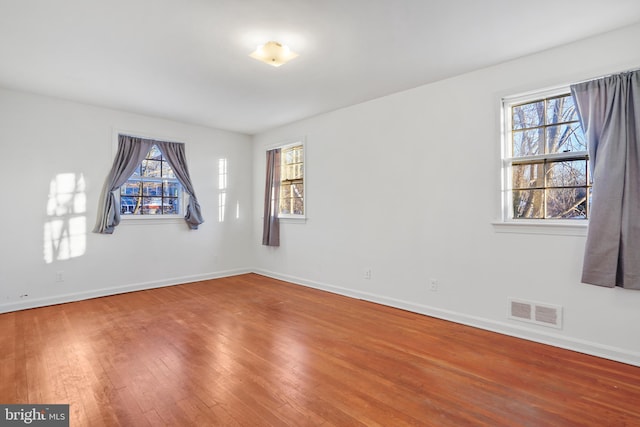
pixel 96 293
pixel 505 328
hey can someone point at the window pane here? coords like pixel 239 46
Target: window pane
pixel 285 206
pixel 289 156
pixel 565 138
pixel 151 168
pixel 561 110
pixel 570 203
pixel 528 204
pixel 527 143
pixel 154 153
pixel 293 171
pixel 528 115
pixel 551 185
pixel 286 173
pixel 298 206
pixel 285 191
pixel 170 206
pixel 566 174
pixel 152 189
pixel 167 170
pixel 528 176
pixel 297 189
pixel 151 205
pixel 171 188
pixel 130 205
pixel 131 188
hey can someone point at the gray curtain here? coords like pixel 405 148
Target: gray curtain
pixel 271 224
pixel 175 155
pixel 131 151
pixel 609 111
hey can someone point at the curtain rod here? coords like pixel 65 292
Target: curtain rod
pixel 555 89
pixel 606 75
pixel 148 138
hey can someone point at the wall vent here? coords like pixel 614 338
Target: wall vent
pixel 535 312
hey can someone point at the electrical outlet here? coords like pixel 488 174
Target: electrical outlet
pixel 367 274
pixel 59 276
pixel 433 285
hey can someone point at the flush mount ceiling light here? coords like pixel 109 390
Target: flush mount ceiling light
pixel 273 53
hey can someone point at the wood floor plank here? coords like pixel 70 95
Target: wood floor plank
pixel 254 351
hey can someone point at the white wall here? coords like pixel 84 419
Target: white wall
pixel 49 145
pixel 409 185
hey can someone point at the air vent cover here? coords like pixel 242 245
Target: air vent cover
pixel 535 312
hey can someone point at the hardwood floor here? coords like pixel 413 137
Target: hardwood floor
pixel 253 351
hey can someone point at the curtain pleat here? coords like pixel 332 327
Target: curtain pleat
pixel 271 223
pixel 609 111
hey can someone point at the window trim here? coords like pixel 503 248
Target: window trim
pixel 294 218
pixel 508 224
pixel 304 183
pixel 148 219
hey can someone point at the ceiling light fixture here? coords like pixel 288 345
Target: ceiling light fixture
pixel 273 53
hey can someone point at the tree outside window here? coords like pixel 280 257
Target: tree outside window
pixel 547 164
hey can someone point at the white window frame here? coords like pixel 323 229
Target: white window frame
pixel 508 224
pixel 283 146
pixel 148 219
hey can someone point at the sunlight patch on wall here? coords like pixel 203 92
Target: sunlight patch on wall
pixel 65 232
pixel 222 186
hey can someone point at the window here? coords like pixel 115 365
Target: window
pixel 152 189
pixel 546 163
pixel 292 181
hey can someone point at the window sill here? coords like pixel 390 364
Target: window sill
pixel 150 220
pixel 549 227
pixel 293 219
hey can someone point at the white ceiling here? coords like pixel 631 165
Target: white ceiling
pixel 188 59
